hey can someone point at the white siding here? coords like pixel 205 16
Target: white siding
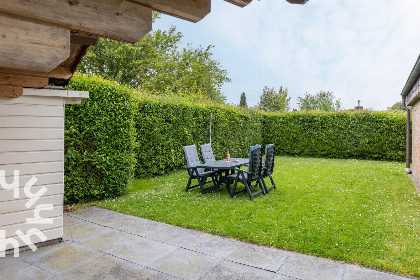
pixel 30 145
pixel 32 141
pixel 8 195
pixel 30 157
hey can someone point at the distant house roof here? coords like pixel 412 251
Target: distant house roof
pixel 411 89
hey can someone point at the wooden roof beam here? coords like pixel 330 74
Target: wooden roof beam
pixel 122 20
pixel 243 3
pixel 83 39
pixel 32 45
pixel 63 73
pixel 191 10
pixel 301 2
pixel 22 80
pixel 240 3
pixel 11 91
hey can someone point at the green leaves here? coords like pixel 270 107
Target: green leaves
pixel 242 102
pixel 364 135
pixel 396 107
pixel 116 127
pixel 322 101
pixel 272 101
pixel 99 140
pixel 163 126
pixel 157 64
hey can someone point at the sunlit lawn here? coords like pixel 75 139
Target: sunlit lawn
pixel 365 212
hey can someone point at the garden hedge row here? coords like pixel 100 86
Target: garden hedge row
pixel 99 140
pixel 163 126
pixel 116 127
pixel 361 135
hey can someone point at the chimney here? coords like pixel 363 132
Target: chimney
pixel 358 107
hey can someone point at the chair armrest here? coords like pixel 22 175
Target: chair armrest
pixel 241 170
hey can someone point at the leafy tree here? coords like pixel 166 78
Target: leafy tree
pixel 396 107
pixel 322 101
pixel 158 65
pixel 243 103
pixel 272 101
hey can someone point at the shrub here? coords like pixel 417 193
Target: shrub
pixel 101 135
pixel 99 140
pixel 165 125
pixel 362 135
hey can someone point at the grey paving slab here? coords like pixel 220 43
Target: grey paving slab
pixel 227 270
pixel 108 267
pixel 360 273
pixel 311 268
pixel 83 230
pixel 186 264
pixel 97 215
pixel 258 256
pixel 283 277
pixel 142 250
pixel 108 240
pixel 21 270
pixel 176 236
pixel 127 223
pixel 214 245
pixel 9 261
pixel 69 221
pixel 135 225
pixel 32 256
pixel 64 258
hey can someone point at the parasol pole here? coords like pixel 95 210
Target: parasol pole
pixel 211 117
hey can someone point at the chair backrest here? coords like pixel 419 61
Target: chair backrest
pixel 255 162
pixel 269 159
pixel 207 153
pixel 191 157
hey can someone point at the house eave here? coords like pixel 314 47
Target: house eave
pixel 411 89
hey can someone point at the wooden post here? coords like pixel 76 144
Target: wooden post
pixel 11 91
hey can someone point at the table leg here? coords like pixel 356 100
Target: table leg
pixel 226 179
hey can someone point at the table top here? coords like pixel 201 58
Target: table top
pixel 223 164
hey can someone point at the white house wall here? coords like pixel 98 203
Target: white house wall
pixel 32 141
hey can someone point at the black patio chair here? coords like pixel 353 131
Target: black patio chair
pixel 268 167
pixel 207 153
pixel 251 177
pixel 192 160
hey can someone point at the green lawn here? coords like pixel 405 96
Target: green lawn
pixel 365 212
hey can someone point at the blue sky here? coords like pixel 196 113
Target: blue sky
pixel 358 49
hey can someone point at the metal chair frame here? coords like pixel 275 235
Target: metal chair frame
pixel 268 167
pixel 191 160
pixel 247 177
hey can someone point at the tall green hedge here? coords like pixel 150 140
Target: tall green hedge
pixel 99 140
pixel 362 135
pixel 116 127
pixel 164 126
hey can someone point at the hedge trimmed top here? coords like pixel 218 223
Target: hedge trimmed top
pixel 117 131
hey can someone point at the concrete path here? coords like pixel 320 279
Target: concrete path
pixel 102 244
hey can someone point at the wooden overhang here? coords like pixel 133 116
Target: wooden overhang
pixel 411 90
pixel 301 2
pixel 12 81
pixel 240 3
pixel 43 41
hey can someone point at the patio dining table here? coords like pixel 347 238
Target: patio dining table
pixel 225 167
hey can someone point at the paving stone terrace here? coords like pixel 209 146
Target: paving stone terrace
pixel 103 244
